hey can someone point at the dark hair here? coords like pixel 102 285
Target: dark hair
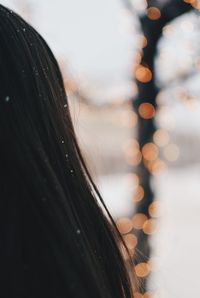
pixel 55 240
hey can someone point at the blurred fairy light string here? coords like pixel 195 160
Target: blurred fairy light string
pixel 156 154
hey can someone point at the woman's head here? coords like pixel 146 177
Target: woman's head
pixel 55 241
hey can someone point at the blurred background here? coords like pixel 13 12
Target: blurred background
pixel 132 73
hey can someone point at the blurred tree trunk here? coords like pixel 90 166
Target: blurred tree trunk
pixel 152 24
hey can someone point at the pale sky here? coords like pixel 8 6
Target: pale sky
pixel 90 35
pixel 98 42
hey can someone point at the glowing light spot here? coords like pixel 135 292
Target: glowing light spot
pixel 132 152
pixel 171 152
pixel 158 167
pixel 137 58
pixel 130 240
pixel 145 42
pixel 124 225
pixel 146 110
pixel 138 194
pixel 153 13
pixel 138 220
pixel 7 99
pixel 134 159
pixel 149 226
pixel 154 209
pixel 131 144
pixel 142 269
pixel 152 263
pixel 150 151
pixel 143 74
pixel 161 137
pixel 142 43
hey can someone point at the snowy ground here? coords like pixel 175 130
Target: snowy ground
pixel 176 244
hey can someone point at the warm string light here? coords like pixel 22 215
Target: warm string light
pixel 153 13
pixel 144 42
pixel 161 138
pixel 140 221
pixel 154 209
pixel 138 194
pixel 143 74
pixel 150 152
pixel 124 225
pixel 132 152
pixel 131 241
pixel 146 110
pixel 149 226
pixel 142 269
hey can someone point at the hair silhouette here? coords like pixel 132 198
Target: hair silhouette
pixel 55 240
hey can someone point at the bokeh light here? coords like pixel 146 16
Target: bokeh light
pixel 130 240
pixel 124 225
pixel 161 137
pixel 138 220
pixel 153 13
pixel 142 269
pixel 146 110
pixel 138 194
pixel 143 74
